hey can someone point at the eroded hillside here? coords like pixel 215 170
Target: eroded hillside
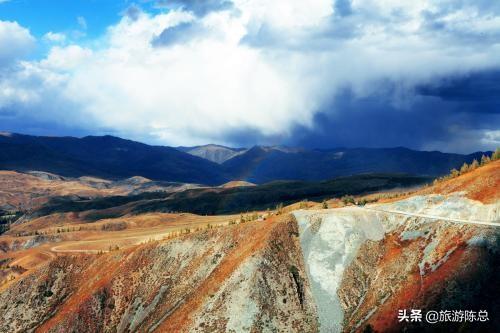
pixel 246 277
pixel 366 263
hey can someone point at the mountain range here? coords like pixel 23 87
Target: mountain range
pixel 115 158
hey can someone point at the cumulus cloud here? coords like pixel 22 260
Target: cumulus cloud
pixel 15 42
pixel 204 71
pixel 66 58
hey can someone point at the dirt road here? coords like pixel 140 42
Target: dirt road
pixel 434 217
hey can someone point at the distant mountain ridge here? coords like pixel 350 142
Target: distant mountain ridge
pixel 215 153
pixel 220 154
pixel 106 157
pixel 260 165
pixel 115 158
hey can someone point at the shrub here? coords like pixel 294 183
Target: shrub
pixel 114 226
pixel 114 248
pixel 348 199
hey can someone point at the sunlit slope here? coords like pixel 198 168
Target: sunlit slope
pixel 365 263
pixel 246 277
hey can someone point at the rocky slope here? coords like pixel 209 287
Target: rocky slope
pixel 243 278
pixel 364 265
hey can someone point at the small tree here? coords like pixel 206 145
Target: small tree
pixel 464 168
pixel 279 208
pixel 324 204
pixel 474 165
pixel 454 173
pixel 485 160
pixel 496 155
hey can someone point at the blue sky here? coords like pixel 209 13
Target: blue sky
pixel 322 73
pixel 82 20
pixel 42 16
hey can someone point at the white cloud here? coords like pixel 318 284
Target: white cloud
pixel 55 37
pixel 286 14
pixel 211 84
pixel 15 42
pixel 491 138
pixel 66 58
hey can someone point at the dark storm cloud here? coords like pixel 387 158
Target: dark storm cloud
pixel 452 116
pixel 198 7
pixel 249 137
pixel 480 88
pixel 28 125
pixel 7 113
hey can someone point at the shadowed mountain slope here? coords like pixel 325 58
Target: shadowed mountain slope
pixel 105 156
pixel 260 165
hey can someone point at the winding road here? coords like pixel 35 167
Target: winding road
pixel 434 217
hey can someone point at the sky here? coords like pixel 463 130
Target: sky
pixel 317 74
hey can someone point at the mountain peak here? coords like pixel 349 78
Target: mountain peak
pixel 213 152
